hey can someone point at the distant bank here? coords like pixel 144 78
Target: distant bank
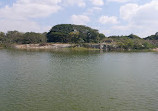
pixel 76 36
pixel 87 46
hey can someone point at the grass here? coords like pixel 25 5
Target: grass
pixel 82 49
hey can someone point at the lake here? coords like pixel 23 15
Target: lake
pixel 78 81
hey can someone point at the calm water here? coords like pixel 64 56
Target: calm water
pixel 78 81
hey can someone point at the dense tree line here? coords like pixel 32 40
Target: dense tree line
pixel 152 37
pixel 131 42
pixel 68 33
pixel 15 37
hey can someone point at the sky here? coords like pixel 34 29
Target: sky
pixel 111 17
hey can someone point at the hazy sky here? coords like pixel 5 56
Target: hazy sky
pixel 111 17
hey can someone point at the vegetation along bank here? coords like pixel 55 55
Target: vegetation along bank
pixel 72 36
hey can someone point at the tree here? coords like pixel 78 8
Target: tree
pixel 73 33
pixel 101 36
pixel 32 37
pixel 2 37
pixel 14 37
pixel 132 36
pixel 152 37
pixel 74 37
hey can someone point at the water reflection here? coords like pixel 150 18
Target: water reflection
pixel 78 81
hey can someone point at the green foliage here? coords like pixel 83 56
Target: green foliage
pixel 15 37
pixel 101 36
pixel 131 42
pixel 148 45
pixel 132 36
pixel 2 37
pixel 32 37
pixel 58 37
pixel 68 33
pixel 152 37
pixel 74 37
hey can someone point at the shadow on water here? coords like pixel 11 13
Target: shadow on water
pixel 65 52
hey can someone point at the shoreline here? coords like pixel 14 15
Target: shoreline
pixel 156 49
pixel 49 46
pixel 88 46
pixel 42 46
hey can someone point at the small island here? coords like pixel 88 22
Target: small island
pixel 76 36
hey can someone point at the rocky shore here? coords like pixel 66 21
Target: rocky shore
pixel 88 46
pixel 42 46
pixel 103 46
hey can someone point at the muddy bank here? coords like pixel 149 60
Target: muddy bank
pixel 156 49
pixel 42 46
pixel 99 46
pixel 106 47
pixel 88 46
